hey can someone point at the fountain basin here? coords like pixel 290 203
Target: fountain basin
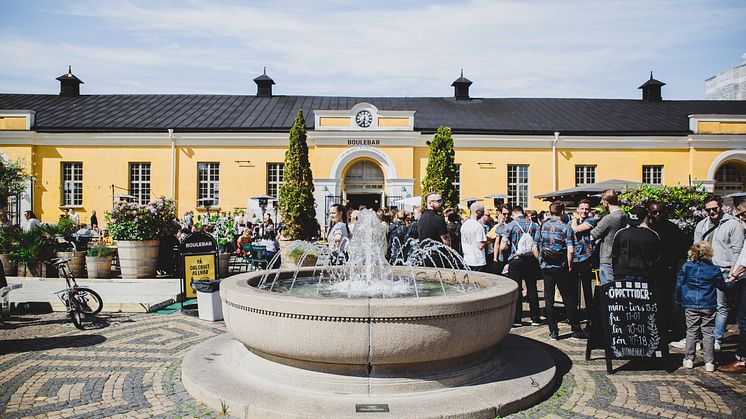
pixel 370 336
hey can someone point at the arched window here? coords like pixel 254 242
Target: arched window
pixel 364 177
pixel 729 179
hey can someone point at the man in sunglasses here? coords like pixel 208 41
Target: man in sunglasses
pixel 726 235
pixel 432 225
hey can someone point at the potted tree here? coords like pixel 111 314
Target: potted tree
pixel 137 229
pixel 222 230
pixel 98 260
pixel 295 201
pixel 33 249
pixel 8 241
pixel 441 169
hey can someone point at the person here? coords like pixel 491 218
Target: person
pixel 83 231
pixel 397 238
pixel 94 219
pixel 556 250
pixel 581 225
pixel 189 220
pixel 32 221
pixel 695 288
pixel 604 233
pixel 244 238
pixel 353 220
pixel 735 281
pixel 74 217
pixel 673 251
pixel 453 222
pixel 474 239
pixel 635 248
pixel 487 223
pixel 339 234
pixel 431 225
pixel 726 235
pixel 523 264
pixel 500 256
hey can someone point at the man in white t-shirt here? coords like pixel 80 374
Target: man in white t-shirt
pixel 473 239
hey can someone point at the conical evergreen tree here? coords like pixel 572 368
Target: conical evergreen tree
pixel 295 201
pixel 441 169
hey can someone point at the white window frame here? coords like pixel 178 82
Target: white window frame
pixel 518 188
pixel 72 184
pixel 275 178
pixel 585 174
pixel 649 175
pixel 140 174
pixel 457 182
pixel 208 183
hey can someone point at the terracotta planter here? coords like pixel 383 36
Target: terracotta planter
pixel 98 266
pixel 8 267
pixel 138 259
pixel 77 262
pixel 224 259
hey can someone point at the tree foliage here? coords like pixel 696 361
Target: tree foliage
pixel 683 204
pixel 13 179
pixel 441 169
pixel 296 201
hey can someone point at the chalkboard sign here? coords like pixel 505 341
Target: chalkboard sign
pixel 628 315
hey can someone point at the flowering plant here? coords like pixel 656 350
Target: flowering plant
pixel 683 204
pixel 219 226
pixel 133 221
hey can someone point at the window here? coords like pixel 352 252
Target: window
pixel 729 179
pixel 275 177
pixel 140 182
pixel 585 174
pixel 457 182
pixel 652 175
pixel 209 184
pixel 518 185
pixel 72 184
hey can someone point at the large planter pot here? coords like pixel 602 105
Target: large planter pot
pixel 8 267
pixel 35 270
pixel 76 262
pixel 98 266
pixel 138 259
pixel 224 259
pixel 289 260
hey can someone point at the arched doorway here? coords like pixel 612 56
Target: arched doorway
pixel 364 184
pixel 730 178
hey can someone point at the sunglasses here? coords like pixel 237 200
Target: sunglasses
pixel 716 209
pixel 439 201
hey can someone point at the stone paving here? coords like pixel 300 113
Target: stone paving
pixel 128 366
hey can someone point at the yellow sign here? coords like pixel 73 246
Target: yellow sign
pixel 198 268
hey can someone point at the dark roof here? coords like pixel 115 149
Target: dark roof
pixel 591 188
pixel 143 113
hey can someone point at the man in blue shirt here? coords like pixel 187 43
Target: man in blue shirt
pixel 581 225
pixel 556 247
pixel 523 264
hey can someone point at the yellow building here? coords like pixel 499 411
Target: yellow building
pixel 83 150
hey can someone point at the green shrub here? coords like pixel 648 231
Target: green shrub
pixel 34 246
pixel 9 238
pixel 296 201
pixel 133 221
pixel 100 250
pixel 441 169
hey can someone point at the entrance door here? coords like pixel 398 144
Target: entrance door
pixel 370 201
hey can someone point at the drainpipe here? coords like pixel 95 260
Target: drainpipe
pixel 173 161
pixel 554 161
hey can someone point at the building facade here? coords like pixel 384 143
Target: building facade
pixel 85 150
pixel 729 84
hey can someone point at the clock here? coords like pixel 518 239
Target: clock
pixel 364 119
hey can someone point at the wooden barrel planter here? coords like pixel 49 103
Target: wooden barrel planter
pixel 8 267
pixel 138 259
pixel 98 266
pixel 76 262
pixel 35 270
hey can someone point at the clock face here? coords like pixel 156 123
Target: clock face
pixel 364 119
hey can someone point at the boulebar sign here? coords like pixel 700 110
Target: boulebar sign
pixel 363 142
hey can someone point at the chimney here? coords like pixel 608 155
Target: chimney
pixel 651 90
pixel 69 84
pixel 461 87
pixel 264 85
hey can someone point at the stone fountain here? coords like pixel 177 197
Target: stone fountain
pixel 445 352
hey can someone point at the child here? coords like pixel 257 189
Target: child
pixel 695 292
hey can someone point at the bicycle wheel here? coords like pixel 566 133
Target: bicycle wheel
pixel 89 301
pixel 75 314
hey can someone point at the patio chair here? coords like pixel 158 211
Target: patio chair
pixel 246 256
pixel 258 256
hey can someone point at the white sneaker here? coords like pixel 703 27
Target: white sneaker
pixel 717 346
pixel 709 367
pixel 699 346
pixel 680 344
pixel 688 363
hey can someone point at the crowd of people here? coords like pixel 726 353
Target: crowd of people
pixel 572 253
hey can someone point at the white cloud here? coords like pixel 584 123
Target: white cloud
pixel 509 48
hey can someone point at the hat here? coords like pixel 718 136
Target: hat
pixel 636 216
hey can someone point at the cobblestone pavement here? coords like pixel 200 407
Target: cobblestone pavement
pixel 129 366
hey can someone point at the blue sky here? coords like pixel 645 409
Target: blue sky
pixel 527 48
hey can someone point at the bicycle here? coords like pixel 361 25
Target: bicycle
pixel 80 301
